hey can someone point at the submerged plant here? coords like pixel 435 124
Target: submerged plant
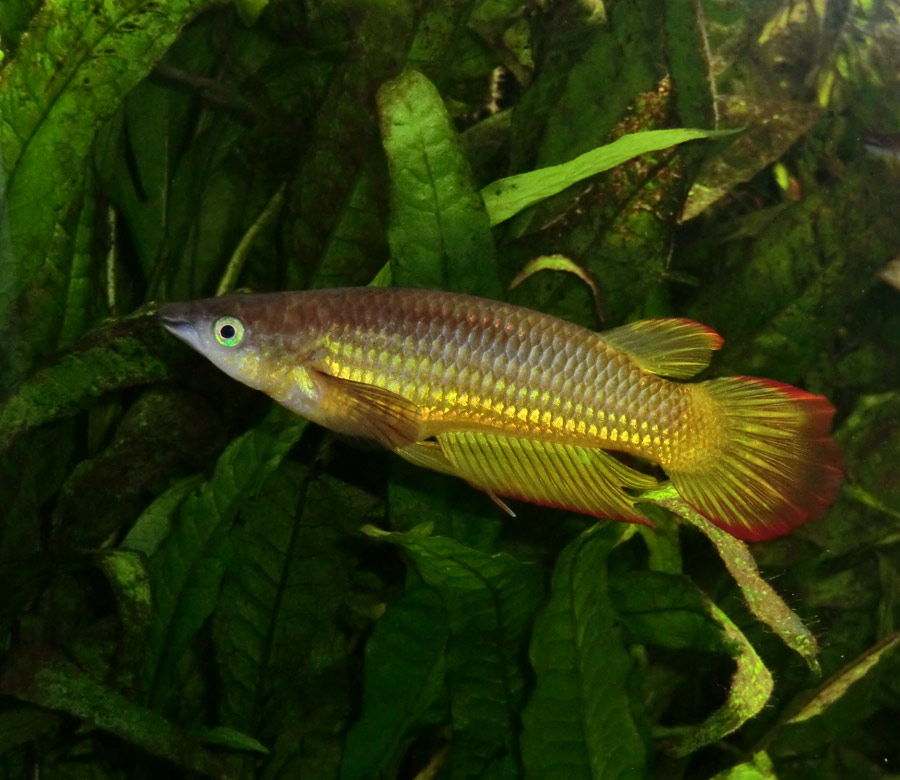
pixel 200 582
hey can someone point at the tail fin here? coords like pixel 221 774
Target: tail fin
pixel 774 466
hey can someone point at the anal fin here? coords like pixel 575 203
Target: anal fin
pixel 564 476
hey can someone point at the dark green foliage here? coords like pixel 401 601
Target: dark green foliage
pixel 196 583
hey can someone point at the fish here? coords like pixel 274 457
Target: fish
pixel 527 406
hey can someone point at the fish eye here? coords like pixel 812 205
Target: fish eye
pixel 229 331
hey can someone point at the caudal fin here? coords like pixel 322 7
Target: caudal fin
pixel 773 465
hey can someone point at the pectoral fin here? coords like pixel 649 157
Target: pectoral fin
pixel 575 478
pixel 359 409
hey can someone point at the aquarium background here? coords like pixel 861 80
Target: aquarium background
pixel 195 583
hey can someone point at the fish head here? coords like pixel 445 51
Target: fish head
pixel 234 333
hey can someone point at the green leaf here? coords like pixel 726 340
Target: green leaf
pixel 835 687
pixel 404 686
pixel 231 738
pixel 56 684
pixel 581 722
pixel 250 10
pixel 438 230
pixel 687 51
pixel 277 629
pixel 751 688
pixel 761 597
pixel 781 287
pixel 120 355
pixel 68 76
pixel 509 196
pixel 774 127
pixel 130 582
pixel 669 611
pixel 757 768
pixel 490 600
pixel 187 569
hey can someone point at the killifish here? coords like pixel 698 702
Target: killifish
pixel 528 406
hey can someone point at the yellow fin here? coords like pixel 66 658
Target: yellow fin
pixel 374 412
pixel 669 347
pixel 564 476
pixel 429 455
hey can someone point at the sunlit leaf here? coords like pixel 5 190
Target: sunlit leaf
pixel 757 768
pixel 507 197
pixel 439 233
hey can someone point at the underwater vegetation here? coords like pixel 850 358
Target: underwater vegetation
pixel 196 582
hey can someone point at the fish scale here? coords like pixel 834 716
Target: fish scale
pixel 599 378
pixel 524 405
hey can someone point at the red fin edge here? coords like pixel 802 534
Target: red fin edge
pixel 776 466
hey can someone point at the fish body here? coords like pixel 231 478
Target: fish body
pixel 525 405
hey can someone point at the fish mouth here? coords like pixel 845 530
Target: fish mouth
pixel 175 319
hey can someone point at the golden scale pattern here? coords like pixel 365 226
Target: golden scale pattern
pixel 465 365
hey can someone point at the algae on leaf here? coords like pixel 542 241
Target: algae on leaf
pixel 69 75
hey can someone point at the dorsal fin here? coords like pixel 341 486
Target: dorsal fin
pixel 669 347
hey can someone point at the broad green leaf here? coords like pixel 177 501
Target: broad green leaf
pixel 761 597
pixel 57 684
pixel 404 683
pixel 438 230
pixel 277 629
pixel 186 571
pixel 118 356
pixel 490 601
pixel 154 525
pixel 579 50
pixel 509 196
pixel 339 195
pixel 669 611
pixel 688 53
pixel 581 721
pixel 68 76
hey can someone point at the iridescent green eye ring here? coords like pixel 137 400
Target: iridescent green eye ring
pixel 229 331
